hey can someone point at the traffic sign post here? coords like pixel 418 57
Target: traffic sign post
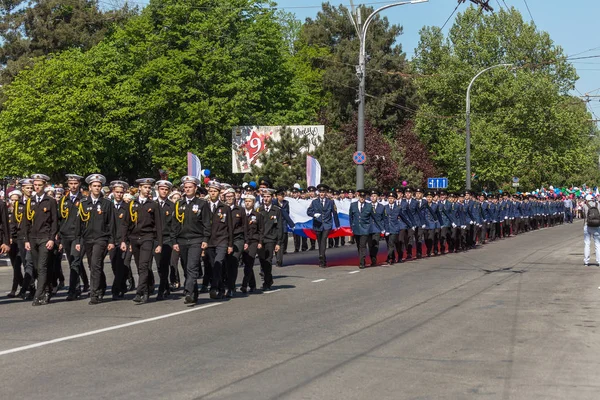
pixel 437 183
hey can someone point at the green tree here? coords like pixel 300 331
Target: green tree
pixel 523 122
pixel 41 27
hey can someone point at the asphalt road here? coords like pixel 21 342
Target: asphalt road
pixel 515 319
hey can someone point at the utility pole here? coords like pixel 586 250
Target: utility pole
pixel 361 73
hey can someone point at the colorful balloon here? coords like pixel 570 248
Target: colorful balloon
pixel 404 183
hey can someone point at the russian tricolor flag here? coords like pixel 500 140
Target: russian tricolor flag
pixel 194 165
pixel 303 223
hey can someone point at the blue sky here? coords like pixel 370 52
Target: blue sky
pixel 572 24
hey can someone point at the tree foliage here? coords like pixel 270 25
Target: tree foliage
pixel 523 122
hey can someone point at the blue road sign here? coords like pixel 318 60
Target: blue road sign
pixel 359 158
pixel 437 183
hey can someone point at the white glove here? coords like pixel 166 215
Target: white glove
pixel 317 215
pixel 512 218
pixel 505 217
pixel 463 227
pixel 471 223
pixel 453 225
pixel 387 234
pixel 414 227
pixel 423 227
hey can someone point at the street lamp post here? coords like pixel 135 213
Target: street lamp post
pixel 361 72
pixel 468 156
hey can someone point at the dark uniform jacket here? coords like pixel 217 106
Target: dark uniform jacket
pixel 360 221
pixel 17 225
pixel 5 233
pixel 167 214
pixel 68 215
pixel 44 223
pixel 221 225
pixel 238 222
pixel 285 214
pixel 328 215
pixel 253 226
pixel 147 224
pixel 192 224
pixel 121 214
pixel 272 225
pixel 97 221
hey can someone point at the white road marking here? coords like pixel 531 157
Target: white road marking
pixel 271 291
pixel 318 280
pixel 353 272
pixel 110 328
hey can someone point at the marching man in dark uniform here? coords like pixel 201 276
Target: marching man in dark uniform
pixel 288 224
pixel 361 218
pixel 253 232
pixel 141 230
pixel 233 259
pixel 14 254
pixel 96 234
pixel 192 232
pixel 41 228
pixel 69 220
pixel 272 235
pixel 220 243
pixel 117 256
pixel 163 259
pixel 377 227
pixel 324 214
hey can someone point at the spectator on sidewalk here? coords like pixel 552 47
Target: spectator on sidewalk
pixel 591 227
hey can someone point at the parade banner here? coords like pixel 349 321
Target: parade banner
pixel 313 171
pixel 303 223
pixel 249 142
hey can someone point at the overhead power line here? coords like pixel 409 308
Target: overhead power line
pixel 529 11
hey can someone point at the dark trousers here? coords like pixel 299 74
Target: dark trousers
pixel 95 253
pixel 16 262
pixel 322 240
pixel 265 256
pixel 28 268
pixel 41 257
pixel 429 236
pixel 361 245
pixel 569 216
pixel 446 239
pixel 304 241
pixel 75 264
pixel 55 273
pixel 394 247
pixel 216 261
pixel 143 250
pixel 417 239
pixel 190 254
pixel 233 262
pixel 248 257
pixel 120 271
pixel 297 241
pixel 373 244
pixel 163 260
pixel 283 249
pixel 174 266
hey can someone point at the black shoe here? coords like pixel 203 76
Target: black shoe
pixel 86 288
pixel 46 298
pixel 11 295
pixel 130 284
pixel 373 262
pixel 71 296
pixel 213 294
pixel 252 290
pixel 144 299
pixel 189 299
pixel 203 289
pixel 361 266
pixel 322 265
pixel 266 288
pixel 244 289
pixel 94 300
pixel 409 256
pixel 37 302
pixel 137 298
pixel 229 294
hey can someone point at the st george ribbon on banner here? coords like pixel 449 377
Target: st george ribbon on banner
pixel 303 223
pixel 313 171
pixel 194 165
